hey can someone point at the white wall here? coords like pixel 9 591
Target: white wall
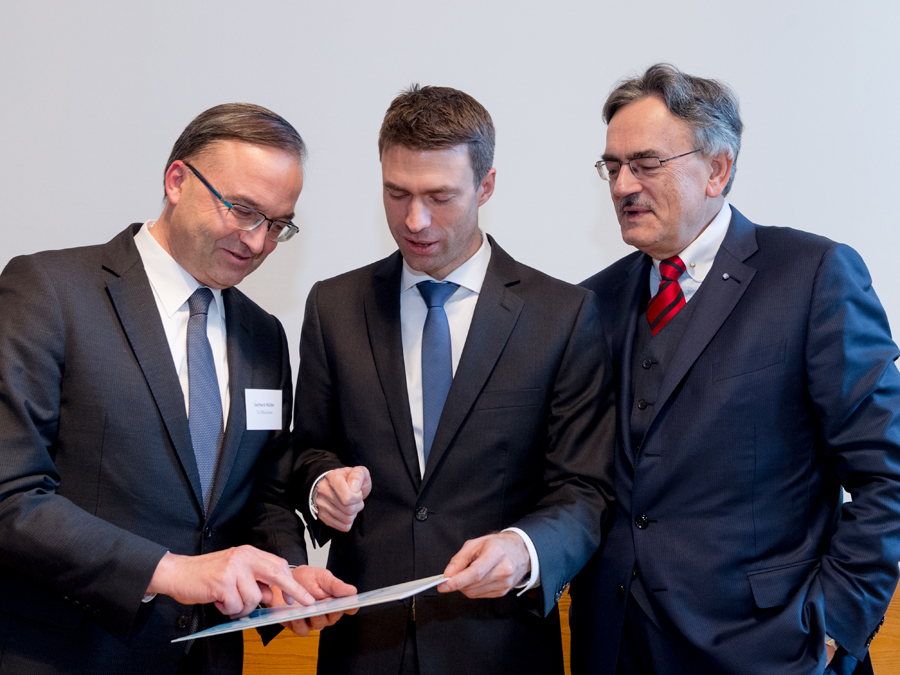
pixel 94 94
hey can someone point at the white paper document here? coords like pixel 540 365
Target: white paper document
pixel 270 615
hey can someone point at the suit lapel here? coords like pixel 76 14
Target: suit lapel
pixel 131 295
pixel 496 313
pixel 723 287
pixel 629 291
pixel 382 308
pixel 239 344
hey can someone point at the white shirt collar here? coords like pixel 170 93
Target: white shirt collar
pixel 698 257
pixel 171 282
pixel 469 275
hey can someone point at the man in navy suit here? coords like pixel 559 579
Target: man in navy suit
pixel 755 378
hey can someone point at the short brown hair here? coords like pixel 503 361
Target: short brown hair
pixel 437 118
pixel 244 122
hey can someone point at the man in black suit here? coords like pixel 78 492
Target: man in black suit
pixel 134 463
pixel 503 487
pixel 755 378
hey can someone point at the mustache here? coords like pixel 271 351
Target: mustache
pixel 634 199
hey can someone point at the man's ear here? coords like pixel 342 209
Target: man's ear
pixel 486 188
pixel 173 180
pixel 720 172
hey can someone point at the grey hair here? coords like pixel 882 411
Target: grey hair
pixel 709 107
pixel 244 122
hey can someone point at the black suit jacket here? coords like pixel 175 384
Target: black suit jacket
pixel 97 472
pixel 525 440
pixel 782 390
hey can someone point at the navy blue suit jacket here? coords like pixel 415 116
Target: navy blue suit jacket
pixel 782 390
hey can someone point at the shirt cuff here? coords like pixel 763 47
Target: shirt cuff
pixel 313 509
pixel 534 580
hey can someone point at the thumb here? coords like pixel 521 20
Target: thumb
pixel 357 478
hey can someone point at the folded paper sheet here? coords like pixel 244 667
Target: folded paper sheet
pixel 270 615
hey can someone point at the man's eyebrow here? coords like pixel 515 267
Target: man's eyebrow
pixel 635 155
pixel 441 189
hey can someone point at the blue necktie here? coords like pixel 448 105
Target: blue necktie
pixel 437 358
pixel 205 409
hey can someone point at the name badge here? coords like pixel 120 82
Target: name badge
pixel 263 409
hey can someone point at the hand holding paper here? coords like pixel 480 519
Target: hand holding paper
pixel 488 567
pixel 236 579
pixel 340 496
pixel 322 585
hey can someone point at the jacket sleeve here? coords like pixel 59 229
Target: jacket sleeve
pixel 567 524
pixel 97 567
pixel 855 389
pixel 317 429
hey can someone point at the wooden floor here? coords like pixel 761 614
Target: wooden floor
pixel 288 654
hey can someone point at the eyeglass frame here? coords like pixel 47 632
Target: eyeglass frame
pixel 289 231
pixel 600 165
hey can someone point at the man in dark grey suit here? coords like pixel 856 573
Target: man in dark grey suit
pixel 144 415
pixel 755 378
pixel 503 486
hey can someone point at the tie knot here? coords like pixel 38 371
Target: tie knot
pixel 671 268
pixel 199 301
pixel 435 294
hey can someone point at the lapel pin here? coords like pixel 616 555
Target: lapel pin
pixel 726 276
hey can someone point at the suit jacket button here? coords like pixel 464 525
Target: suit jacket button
pixel 642 522
pixel 620 591
pixel 642 404
pixel 183 621
pixel 207 533
pixel 634 573
pixel 647 364
pixel 421 513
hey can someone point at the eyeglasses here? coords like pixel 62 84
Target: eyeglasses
pixel 641 167
pixel 246 218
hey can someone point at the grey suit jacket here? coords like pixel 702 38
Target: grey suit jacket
pixel 525 440
pixel 782 390
pixel 97 473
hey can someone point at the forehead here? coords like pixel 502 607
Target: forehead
pixel 259 173
pixel 647 125
pixel 413 168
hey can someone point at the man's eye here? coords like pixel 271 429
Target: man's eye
pixel 397 195
pixel 612 168
pixel 646 165
pixel 243 212
pixel 278 226
pixel 441 199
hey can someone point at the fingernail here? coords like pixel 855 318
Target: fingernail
pixel 289 599
pixel 354 485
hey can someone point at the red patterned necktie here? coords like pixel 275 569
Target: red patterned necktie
pixel 668 299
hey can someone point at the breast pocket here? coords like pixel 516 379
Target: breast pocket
pixel 508 398
pixel 749 362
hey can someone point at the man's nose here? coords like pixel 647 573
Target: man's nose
pixel 255 239
pixel 419 217
pixel 626 183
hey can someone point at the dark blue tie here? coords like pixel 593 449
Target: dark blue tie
pixel 437 358
pixel 205 409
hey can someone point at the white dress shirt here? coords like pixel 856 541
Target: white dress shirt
pixel 172 286
pixel 698 257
